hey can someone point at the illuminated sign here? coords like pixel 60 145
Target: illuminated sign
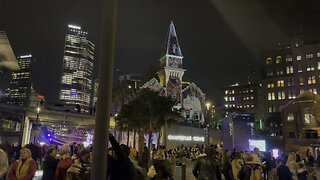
pixel 275 153
pixel 74 26
pixel 260 144
pixel 26 56
pixel 186 138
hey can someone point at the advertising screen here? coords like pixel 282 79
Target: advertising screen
pixel 261 144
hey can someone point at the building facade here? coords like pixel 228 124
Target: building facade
pixel 8 60
pixel 289 71
pixel 301 123
pixel 243 98
pixel 76 80
pixel 190 98
pixel 20 85
pixel 238 129
pixel 171 71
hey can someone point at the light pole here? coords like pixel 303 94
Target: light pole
pixel 36 132
pixel 208 104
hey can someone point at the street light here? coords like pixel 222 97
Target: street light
pixel 208 105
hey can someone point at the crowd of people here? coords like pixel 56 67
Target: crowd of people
pixel 73 162
pixel 238 165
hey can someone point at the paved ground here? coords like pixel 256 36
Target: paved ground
pixel 189 166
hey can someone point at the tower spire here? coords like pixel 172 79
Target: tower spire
pixel 172 45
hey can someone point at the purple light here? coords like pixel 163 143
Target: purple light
pixel 73 93
pixel 50 139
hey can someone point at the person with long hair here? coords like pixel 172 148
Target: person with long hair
pixel 23 168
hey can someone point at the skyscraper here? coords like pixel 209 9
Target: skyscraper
pixel 20 85
pixel 76 83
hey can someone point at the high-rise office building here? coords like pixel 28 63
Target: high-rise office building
pixel 20 85
pixel 243 98
pixel 76 83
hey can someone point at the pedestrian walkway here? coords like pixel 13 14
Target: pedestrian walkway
pixel 189 166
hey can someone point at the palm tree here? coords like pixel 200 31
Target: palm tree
pixel 147 113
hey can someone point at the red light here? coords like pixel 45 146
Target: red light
pixel 41 97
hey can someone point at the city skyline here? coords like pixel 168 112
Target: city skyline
pixel 221 44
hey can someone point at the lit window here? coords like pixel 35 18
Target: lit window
pixel 309 56
pixel 319 65
pixel 318 54
pixel 298 58
pixel 226 92
pixel 314 91
pixel 288 58
pixel 309 116
pixel 271 109
pixel 252 106
pixel 251 97
pixel 278 59
pixel 269 60
pixel 271 96
pixel 289 69
pixel 270 85
pixel 280 83
pixel 291 94
pixel 312 80
pixel 310 66
pixel 226 98
pixel 281 95
pixel 290 117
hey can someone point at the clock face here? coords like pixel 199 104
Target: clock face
pixel 175 62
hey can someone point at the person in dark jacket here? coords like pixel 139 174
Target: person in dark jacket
pixel 120 166
pixel 283 171
pixel 162 166
pixel 206 167
pixel 50 165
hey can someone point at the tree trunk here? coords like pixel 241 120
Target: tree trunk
pixel 134 138
pixel 141 140
pixel 128 136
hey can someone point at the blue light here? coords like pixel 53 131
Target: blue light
pixel 48 135
pixel 73 93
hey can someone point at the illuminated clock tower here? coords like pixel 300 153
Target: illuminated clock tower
pixel 171 72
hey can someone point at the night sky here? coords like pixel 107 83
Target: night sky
pixel 218 38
